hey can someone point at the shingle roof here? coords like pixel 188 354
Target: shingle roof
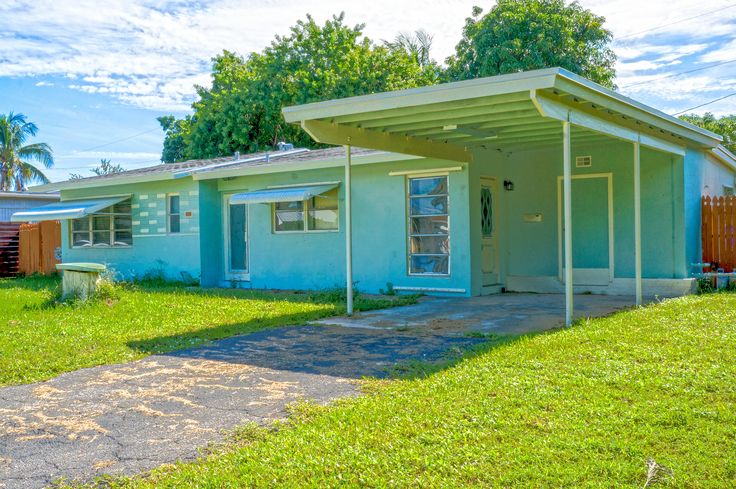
pixel 245 161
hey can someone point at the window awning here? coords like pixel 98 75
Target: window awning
pixel 284 194
pixel 69 209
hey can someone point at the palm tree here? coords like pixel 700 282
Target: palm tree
pixel 418 45
pixel 15 155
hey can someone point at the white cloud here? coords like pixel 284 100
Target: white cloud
pixel 151 53
pixel 44 84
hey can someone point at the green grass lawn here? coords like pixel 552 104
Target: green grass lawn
pixel 41 338
pixel 582 407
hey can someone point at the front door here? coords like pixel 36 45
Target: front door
pixel 488 232
pixel 236 232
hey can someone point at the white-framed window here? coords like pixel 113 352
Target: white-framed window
pixel 319 213
pixel 109 228
pixel 173 213
pixel 727 191
pixel 428 226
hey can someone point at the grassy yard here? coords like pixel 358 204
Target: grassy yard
pixel 583 407
pixel 41 338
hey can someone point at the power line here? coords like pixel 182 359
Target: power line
pixel 76 153
pixel 672 75
pixel 706 103
pixel 676 22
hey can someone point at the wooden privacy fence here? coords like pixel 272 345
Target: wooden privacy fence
pixel 37 245
pixel 8 249
pixel 718 232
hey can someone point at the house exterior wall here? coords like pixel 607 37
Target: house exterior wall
pixel 317 260
pixel 716 177
pixel 9 206
pixel 530 249
pixel 703 176
pixel 154 250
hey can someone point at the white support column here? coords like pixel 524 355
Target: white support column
pixel 567 223
pixel 348 229
pixel 637 220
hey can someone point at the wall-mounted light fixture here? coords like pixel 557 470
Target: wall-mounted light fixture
pixel 508 185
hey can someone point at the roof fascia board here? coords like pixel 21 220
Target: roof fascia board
pixel 591 92
pixel 106 182
pixel 724 156
pixel 562 112
pixel 448 92
pixel 29 196
pixel 306 165
pixel 325 132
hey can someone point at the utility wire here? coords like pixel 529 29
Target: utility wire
pixel 676 22
pixel 76 153
pixel 672 75
pixel 706 103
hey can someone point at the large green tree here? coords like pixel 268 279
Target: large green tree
pixel 725 126
pixel 242 109
pixel 16 156
pixel 519 35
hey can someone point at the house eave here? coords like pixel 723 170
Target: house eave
pixel 724 156
pixel 104 182
pixel 306 165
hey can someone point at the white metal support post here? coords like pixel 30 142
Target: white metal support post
pixel 348 229
pixel 637 220
pixel 567 204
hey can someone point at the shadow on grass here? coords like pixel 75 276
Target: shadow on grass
pixel 32 282
pixel 325 350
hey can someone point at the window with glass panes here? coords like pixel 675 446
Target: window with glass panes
pixel 429 226
pixel 174 213
pixel 319 213
pixel 110 227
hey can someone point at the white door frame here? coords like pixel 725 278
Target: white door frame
pixel 611 240
pixel 243 275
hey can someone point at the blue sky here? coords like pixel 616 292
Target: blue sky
pixel 95 75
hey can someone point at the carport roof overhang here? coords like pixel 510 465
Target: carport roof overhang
pixel 450 120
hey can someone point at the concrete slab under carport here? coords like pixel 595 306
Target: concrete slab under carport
pixel 508 313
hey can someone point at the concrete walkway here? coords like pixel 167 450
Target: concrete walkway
pixel 133 417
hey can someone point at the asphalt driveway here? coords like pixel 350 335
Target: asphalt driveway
pixel 127 418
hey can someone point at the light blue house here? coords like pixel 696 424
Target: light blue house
pixel 464 189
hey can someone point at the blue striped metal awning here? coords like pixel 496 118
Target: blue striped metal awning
pixel 69 209
pixel 284 194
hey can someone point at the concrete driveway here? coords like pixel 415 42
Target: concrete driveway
pixel 132 417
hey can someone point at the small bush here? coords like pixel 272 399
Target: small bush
pixel 705 285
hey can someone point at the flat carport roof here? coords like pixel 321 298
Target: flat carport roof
pixel 449 120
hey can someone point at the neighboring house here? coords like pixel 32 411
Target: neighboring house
pixel 461 191
pixel 10 203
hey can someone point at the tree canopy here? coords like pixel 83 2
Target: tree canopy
pixel 106 167
pixel 242 109
pixel 725 126
pixel 520 35
pixel 16 156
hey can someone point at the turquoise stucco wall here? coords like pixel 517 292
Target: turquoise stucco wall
pixel 531 249
pixel 317 260
pixel 670 222
pixel 153 249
